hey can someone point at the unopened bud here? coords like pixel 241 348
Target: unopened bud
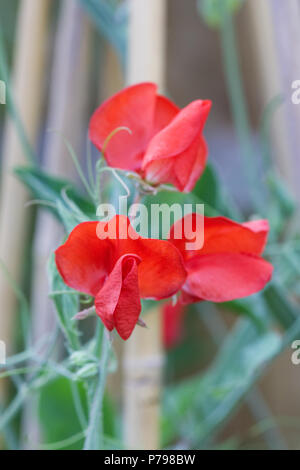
pixel 89 370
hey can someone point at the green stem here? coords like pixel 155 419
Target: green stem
pixel 238 102
pixel 99 338
pixel 78 405
pixel 95 431
pixel 14 407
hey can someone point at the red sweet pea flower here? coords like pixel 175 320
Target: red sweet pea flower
pixel 229 265
pixel 172 324
pixel 119 270
pixel 166 144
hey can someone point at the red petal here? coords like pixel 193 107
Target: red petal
pixel 84 261
pixel 133 107
pixel 188 169
pixel 129 306
pixel 165 111
pixel 184 170
pixel 224 277
pixel 118 302
pixel 261 228
pixel 222 235
pixel 161 271
pixel 181 139
pixel 172 324
pixel 186 298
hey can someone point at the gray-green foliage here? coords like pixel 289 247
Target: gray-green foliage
pixel 211 10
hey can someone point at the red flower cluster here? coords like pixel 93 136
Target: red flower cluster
pixel 166 144
pixel 118 271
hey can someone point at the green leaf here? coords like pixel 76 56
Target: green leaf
pixel 244 308
pixel 207 187
pixel 111 22
pixel 58 415
pixel 280 306
pixel 210 190
pixel 196 408
pixel 211 10
pixel 55 191
pixel 282 196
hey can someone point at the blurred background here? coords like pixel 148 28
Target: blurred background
pixel 229 381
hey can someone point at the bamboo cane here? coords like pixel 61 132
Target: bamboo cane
pixel 69 80
pixel 113 77
pixel 143 351
pixel 286 32
pixel 112 81
pixel 28 87
pixel 68 116
pixel 147 41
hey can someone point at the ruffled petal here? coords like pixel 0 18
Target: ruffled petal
pixel 129 307
pixel 221 235
pixel 226 276
pixel 84 261
pixel 134 107
pixel 161 271
pixel 186 298
pixel 180 141
pixel 165 111
pixel 118 302
pixel 224 235
pixel 184 170
pixel 190 165
pixel 261 229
